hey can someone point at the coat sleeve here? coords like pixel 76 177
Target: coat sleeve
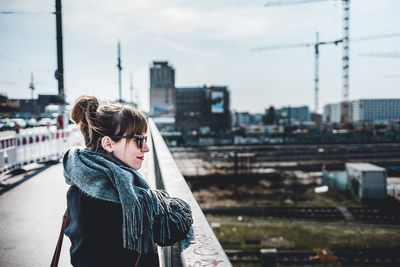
pixel 173 226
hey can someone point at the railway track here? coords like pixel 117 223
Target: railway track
pixel 274 152
pixel 364 215
pixel 342 257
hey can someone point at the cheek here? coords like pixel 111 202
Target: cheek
pixel 131 153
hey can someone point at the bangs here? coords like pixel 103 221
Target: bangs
pixel 132 122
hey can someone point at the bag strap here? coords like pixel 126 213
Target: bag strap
pixel 57 251
pixel 137 261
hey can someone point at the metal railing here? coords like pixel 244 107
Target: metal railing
pixel 204 249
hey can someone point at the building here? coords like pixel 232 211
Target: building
pixel 38 106
pixel 246 118
pixel 31 107
pixel 27 108
pixel 363 110
pixel 299 114
pixel 8 106
pixel 375 110
pixel 241 118
pixel 162 88
pixel 202 110
pixel 45 100
pixel 332 113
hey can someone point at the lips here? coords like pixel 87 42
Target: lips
pixel 141 158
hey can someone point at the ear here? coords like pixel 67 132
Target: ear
pixel 106 143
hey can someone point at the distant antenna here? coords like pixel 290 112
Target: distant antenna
pixel 32 87
pixel 119 71
pixel 137 99
pixel 130 78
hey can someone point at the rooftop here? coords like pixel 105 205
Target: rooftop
pixel 364 167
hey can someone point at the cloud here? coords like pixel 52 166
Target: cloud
pixel 181 47
pixel 103 20
pixel 27 6
pixel 207 41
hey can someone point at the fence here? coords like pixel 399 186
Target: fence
pixel 35 146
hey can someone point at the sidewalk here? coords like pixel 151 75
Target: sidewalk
pixel 31 209
pixel 31 214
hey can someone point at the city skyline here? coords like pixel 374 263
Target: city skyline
pixel 206 43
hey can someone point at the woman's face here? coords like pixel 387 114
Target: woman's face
pixel 129 152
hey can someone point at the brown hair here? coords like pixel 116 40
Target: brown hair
pixel 97 120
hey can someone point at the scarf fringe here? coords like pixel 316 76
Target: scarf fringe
pixel 109 179
pixel 138 234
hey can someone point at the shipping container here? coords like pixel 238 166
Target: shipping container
pixel 366 181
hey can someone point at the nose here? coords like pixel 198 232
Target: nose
pixel 145 147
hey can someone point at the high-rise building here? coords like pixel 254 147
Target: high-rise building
pixel 202 109
pixel 375 110
pixel 372 110
pixel 162 88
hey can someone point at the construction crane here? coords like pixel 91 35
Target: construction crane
pixel 316 55
pixel 345 48
pixel 336 42
pixel 380 54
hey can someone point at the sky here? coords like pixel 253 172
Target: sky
pixel 208 42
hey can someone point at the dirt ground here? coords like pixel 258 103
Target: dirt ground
pixel 301 235
pixel 280 188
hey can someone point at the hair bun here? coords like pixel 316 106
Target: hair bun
pixel 83 107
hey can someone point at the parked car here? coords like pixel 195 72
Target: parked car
pixel 47 121
pixel 31 123
pixel 3 125
pixel 21 122
pixel 6 125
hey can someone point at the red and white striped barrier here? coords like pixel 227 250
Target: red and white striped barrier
pixel 18 150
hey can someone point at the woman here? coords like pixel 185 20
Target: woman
pixel 113 217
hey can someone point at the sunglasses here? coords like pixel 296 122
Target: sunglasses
pixel 139 138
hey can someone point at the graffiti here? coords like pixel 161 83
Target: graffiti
pixel 203 250
pixel 205 262
pixel 201 245
pixel 202 238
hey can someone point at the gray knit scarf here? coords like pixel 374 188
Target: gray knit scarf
pixel 105 177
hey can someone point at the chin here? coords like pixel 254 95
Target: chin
pixel 136 166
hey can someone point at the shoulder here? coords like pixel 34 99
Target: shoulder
pixel 77 198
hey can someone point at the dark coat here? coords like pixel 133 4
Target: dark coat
pixel 94 228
